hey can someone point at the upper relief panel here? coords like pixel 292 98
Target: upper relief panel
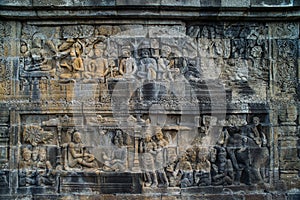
pixel 59 63
pixel 239 59
pixel 236 55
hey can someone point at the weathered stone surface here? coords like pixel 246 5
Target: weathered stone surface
pixel 16 2
pixel 146 100
pixel 273 3
pixel 194 3
pixel 228 3
pixel 210 3
pixel 137 2
pixel 49 3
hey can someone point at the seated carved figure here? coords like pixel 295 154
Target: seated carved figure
pixel 223 174
pixel 26 175
pixel 45 172
pixel 148 66
pixel 112 71
pixel 127 65
pixel 26 163
pixel 115 160
pixel 186 171
pixel 256 133
pixel 172 169
pixel 73 69
pixel 202 174
pixel 77 156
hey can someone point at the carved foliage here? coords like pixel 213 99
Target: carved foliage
pixel 285 71
pixel 285 30
pixel 35 135
pixel 5 83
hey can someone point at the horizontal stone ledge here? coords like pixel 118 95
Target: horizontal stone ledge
pixel 144 12
pixel 182 3
pixel 131 17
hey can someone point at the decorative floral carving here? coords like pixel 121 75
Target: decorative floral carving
pixel 35 135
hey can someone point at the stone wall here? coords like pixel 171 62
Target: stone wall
pixel 149 99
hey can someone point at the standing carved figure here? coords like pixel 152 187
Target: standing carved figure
pixel 148 148
pixel 249 159
pixel 159 161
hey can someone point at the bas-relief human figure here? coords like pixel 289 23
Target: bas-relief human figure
pixel 186 171
pixel 148 148
pixel 34 168
pixel 26 163
pixel 26 175
pixel 44 168
pixel 102 63
pixel 35 157
pixel 159 158
pixel 78 156
pixel 222 173
pixel 202 174
pixel 121 138
pixel 36 57
pixel 166 65
pixel 247 155
pixel 127 65
pixel 191 155
pixel 172 169
pixel 3 179
pixel 116 160
pixel 75 68
pixel 257 134
pixel 147 65
pixel 112 71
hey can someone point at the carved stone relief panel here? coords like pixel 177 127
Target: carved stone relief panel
pixel 285 68
pixel 174 106
pixel 6 33
pixel 285 53
pixel 5 82
pixel 91 61
pixel 237 55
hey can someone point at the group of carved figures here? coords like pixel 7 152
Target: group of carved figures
pixel 75 61
pixel 34 168
pixel 152 158
pixel 240 156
